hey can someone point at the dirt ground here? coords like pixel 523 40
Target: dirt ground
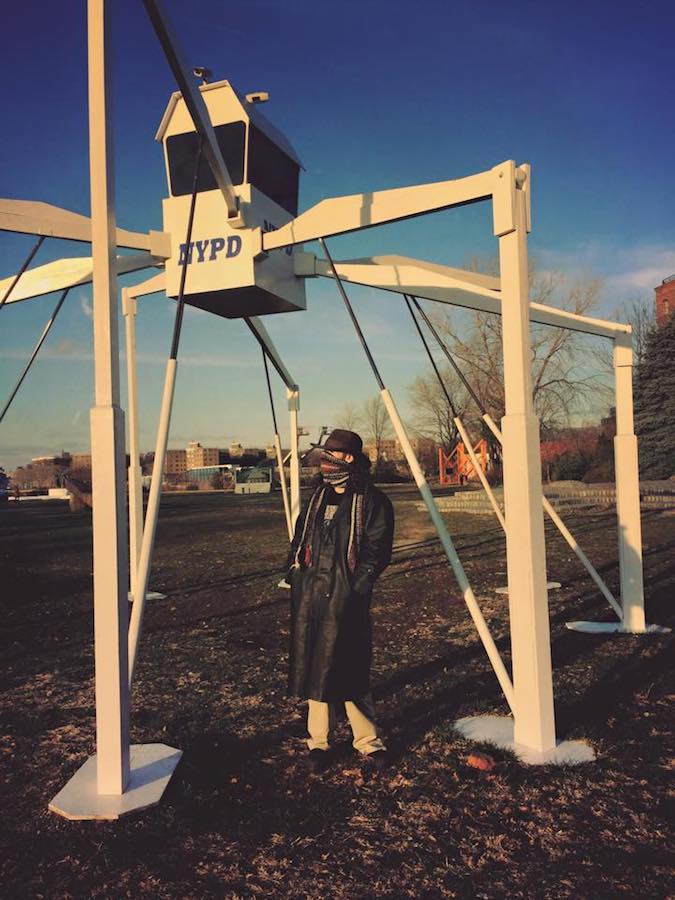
pixel 242 817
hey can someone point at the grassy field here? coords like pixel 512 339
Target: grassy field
pixel 242 817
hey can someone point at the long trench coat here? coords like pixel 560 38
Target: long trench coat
pixel 331 635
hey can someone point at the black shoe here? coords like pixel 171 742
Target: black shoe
pixel 318 761
pixel 378 759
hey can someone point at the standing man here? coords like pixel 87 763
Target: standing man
pixel 343 541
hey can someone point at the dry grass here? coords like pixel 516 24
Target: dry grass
pixel 241 817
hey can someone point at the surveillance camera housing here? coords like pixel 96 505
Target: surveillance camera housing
pixel 202 72
pixel 257 97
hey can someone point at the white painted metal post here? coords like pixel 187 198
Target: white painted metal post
pixel 627 478
pixel 534 720
pixel 284 489
pixel 450 552
pixel 107 436
pixel 567 535
pixel 151 516
pixel 293 407
pixel 129 308
pixel 479 472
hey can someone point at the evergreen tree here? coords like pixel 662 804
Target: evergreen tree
pixel 655 403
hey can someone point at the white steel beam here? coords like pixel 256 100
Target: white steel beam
pixel 566 533
pixel 151 517
pixel 262 336
pixel 284 489
pixel 153 285
pixel 293 395
pixel 71 272
pixel 456 287
pixel 118 778
pixel 107 438
pixel 446 542
pixel 478 469
pixel 35 217
pixel 340 215
pixel 534 720
pixel 627 479
pixel 129 307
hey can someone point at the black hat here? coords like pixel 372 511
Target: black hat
pixel 344 441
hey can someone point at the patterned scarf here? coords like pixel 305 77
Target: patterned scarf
pixel 335 471
pixel 303 555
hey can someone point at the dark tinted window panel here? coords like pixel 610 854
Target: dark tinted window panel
pixel 271 171
pixel 182 152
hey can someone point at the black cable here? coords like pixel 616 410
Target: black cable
pixel 40 342
pixel 355 323
pixel 23 268
pixel 431 359
pixel 449 357
pixel 269 391
pixel 181 290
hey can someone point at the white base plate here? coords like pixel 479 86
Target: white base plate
pixel 151 595
pixel 152 766
pixel 613 628
pixel 498 730
pixel 550 586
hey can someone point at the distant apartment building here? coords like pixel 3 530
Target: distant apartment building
pixel 389 449
pixel 665 300
pixel 237 451
pixel 80 461
pixel 270 452
pixel 41 472
pixel 424 448
pixel 197 457
pixel 175 462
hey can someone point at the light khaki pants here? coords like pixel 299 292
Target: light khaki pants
pixel 321 719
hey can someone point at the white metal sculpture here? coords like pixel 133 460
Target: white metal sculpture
pixel 241 256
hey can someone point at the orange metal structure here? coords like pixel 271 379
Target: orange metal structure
pixel 457 468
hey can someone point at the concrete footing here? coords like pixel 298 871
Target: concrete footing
pixel 550 586
pixel 613 628
pixel 152 766
pixel 150 595
pixel 498 730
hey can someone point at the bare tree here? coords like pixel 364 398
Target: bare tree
pixel 561 377
pixel 641 316
pixel 375 420
pixel 432 415
pixel 349 417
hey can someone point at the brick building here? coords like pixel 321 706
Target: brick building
pixel 665 300
pixel 42 472
pixel 197 456
pixel 175 462
pixel 80 461
pixel 391 450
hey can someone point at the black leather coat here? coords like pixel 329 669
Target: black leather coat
pixel 331 639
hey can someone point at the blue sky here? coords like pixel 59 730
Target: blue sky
pixel 372 95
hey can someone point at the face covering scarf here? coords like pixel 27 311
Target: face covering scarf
pixel 335 471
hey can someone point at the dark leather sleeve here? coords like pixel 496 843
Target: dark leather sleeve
pixel 378 539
